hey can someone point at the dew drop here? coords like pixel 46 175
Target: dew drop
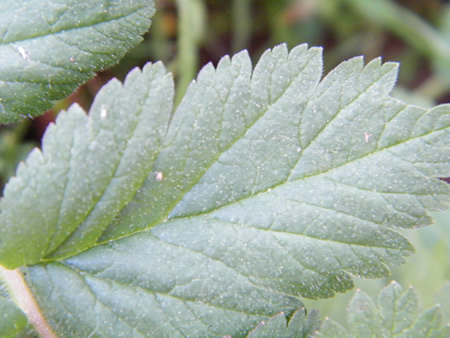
pixel 23 53
pixel 104 112
pixel 159 176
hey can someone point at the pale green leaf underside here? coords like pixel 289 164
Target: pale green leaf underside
pixel 48 48
pixel 264 186
pixel 396 314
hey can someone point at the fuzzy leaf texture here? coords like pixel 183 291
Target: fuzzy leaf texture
pixel 48 48
pixel 396 314
pixel 265 186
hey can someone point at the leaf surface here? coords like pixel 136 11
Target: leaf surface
pixel 89 168
pixel 299 325
pixel 48 48
pixel 264 186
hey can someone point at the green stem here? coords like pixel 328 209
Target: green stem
pixel 190 30
pixel 22 296
pixel 242 23
pixel 433 88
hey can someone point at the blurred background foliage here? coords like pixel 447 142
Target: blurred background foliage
pixel 187 34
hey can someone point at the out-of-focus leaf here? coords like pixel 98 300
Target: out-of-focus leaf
pixel 395 315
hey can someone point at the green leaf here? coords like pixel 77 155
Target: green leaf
pixel 396 315
pixel 263 186
pixel 299 325
pixel 48 48
pixel 441 298
pixel 428 324
pixel 398 308
pixel 332 329
pixel 363 318
pixel 89 169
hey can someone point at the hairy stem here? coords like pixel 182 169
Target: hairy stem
pixel 22 296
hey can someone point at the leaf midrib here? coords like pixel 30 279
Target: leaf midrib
pixel 200 213
pixel 82 273
pixel 294 165
pixel 213 160
pixel 117 165
pixel 310 176
pixel 237 139
pixel 376 151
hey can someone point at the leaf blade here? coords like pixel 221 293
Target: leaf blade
pixel 182 166
pixel 83 37
pixel 233 213
pixel 94 164
pixel 146 305
pixel 299 325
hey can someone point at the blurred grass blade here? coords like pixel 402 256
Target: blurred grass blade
pixel 190 32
